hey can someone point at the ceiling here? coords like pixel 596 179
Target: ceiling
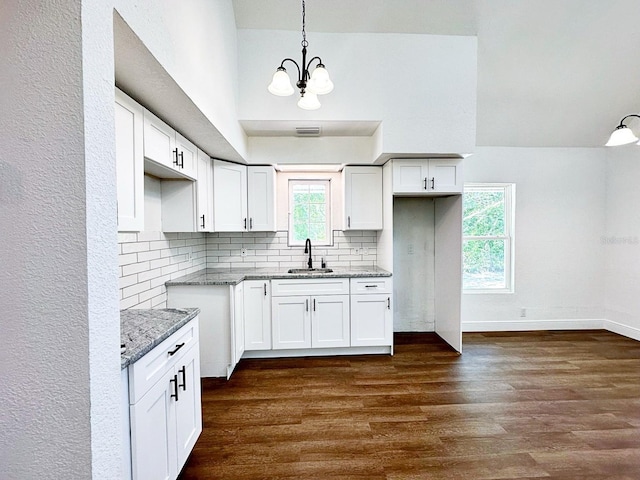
pixel 551 73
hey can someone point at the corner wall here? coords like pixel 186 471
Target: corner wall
pixel 620 242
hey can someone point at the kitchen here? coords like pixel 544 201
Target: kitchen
pixel 56 213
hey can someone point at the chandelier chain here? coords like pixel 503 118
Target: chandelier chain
pixel 304 42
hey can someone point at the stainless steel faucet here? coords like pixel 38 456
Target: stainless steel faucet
pixel 307 249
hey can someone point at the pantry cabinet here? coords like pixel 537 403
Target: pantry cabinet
pixel 362 189
pixel 129 163
pixel 427 176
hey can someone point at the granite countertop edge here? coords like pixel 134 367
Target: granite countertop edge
pixel 143 329
pixel 213 276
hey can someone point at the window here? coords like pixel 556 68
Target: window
pixel 487 230
pixel 309 212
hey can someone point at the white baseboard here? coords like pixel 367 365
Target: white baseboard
pixel 555 324
pixel 522 325
pixel 621 329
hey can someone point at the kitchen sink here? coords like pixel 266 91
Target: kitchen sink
pixel 310 270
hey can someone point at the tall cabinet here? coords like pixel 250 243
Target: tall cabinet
pixel 129 163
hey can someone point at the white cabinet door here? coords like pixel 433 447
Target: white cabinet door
pixel 446 176
pixel 237 327
pixel 204 187
pixel 153 432
pixel 188 405
pixel 229 197
pixel 291 320
pixel 169 154
pixel 427 176
pixel 371 320
pixel 129 163
pixel 330 321
pixel 187 156
pixel 362 198
pixel 410 176
pixel 159 141
pixel 261 199
pixel 257 315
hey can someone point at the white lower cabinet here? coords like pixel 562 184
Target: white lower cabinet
pixel 257 315
pixel 165 406
pixel 371 312
pixel 310 313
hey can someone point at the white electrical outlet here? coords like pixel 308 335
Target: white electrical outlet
pixel 189 257
pixel 243 252
pixel 523 312
pixel 365 251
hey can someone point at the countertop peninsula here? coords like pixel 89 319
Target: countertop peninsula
pixel 143 329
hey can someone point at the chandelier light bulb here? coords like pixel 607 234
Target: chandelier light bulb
pixel 309 101
pixel 281 83
pixel 320 83
pixel 622 135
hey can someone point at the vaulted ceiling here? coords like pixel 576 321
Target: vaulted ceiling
pixel 551 73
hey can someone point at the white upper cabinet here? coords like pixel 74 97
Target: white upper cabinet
pixel 129 163
pixel 167 153
pixel 261 199
pixel 244 198
pixel 362 187
pixel 427 176
pixel 229 197
pixel 204 187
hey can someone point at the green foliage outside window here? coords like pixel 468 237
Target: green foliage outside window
pixel 309 213
pixel 484 228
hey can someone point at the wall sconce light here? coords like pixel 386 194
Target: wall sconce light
pixel 622 135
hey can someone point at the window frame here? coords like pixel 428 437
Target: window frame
pixel 509 190
pixel 328 226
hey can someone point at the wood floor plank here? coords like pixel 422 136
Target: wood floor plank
pixel 515 405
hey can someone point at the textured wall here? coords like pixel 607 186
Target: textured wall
pixel 45 367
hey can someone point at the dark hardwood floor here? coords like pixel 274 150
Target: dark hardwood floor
pixel 553 405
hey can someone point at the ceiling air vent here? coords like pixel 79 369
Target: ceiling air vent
pixel 308 131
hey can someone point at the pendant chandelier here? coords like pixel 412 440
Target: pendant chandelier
pixel 310 85
pixel 622 135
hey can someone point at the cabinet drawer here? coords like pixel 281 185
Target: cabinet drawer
pixel 144 373
pixel 312 286
pixel 371 285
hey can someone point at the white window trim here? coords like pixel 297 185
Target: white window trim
pixel 510 210
pixel 328 226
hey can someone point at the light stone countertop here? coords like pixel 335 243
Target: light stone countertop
pixel 215 276
pixel 141 330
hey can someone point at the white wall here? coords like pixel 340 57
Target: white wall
pixel 60 370
pixel 195 42
pixel 620 243
pixel 422 87
pixel 560 218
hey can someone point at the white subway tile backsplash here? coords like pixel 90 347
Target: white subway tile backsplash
pixel 149 259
